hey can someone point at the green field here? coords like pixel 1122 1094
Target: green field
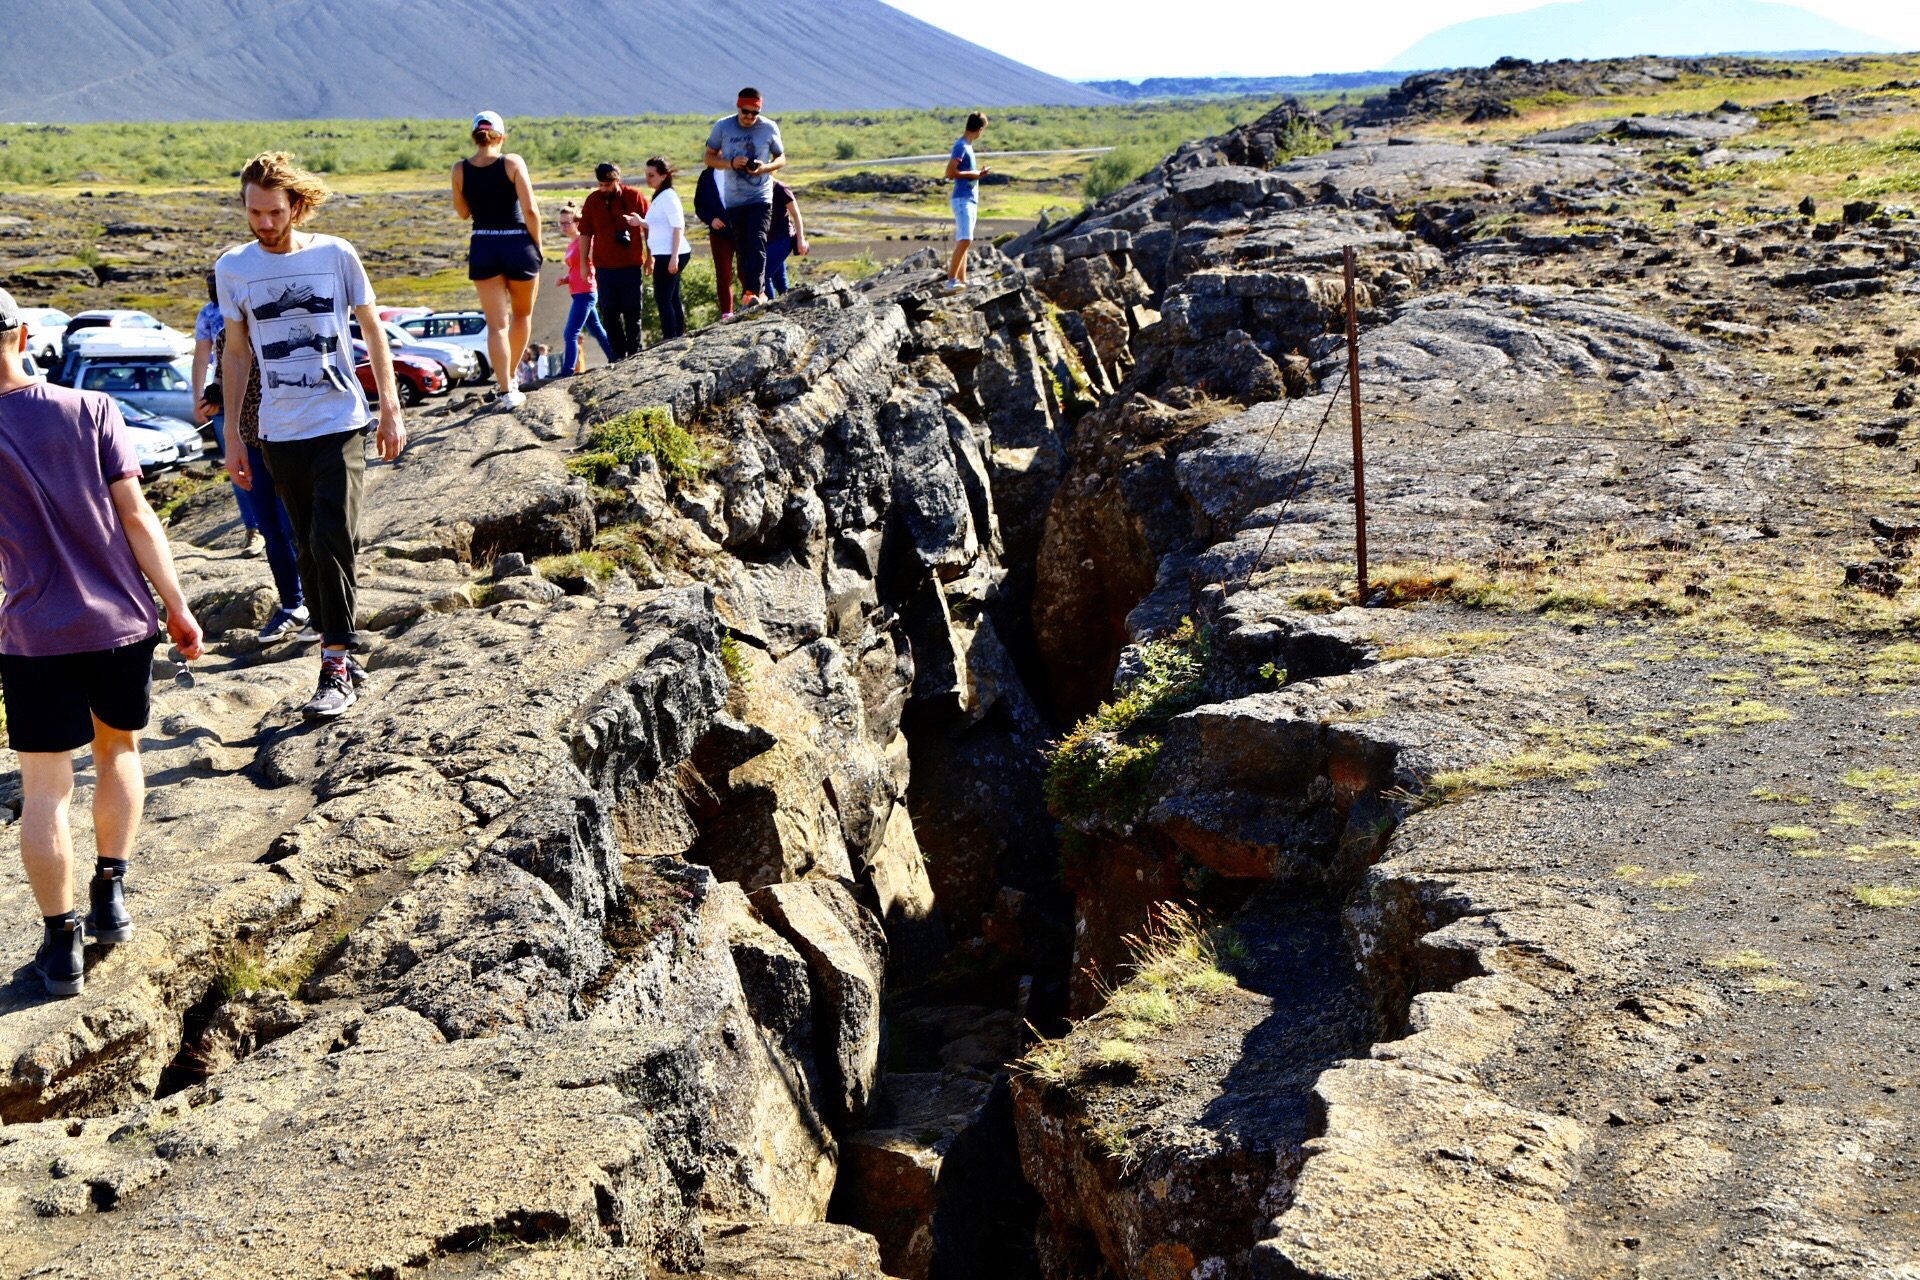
pixel 384 151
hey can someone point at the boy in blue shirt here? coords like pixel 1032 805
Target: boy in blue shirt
pixel 964 171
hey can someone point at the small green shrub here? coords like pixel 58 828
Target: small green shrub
pixel 1106 762
pixel 406 160
pixel 1116 169
pixel 241 973
pixel 739 675
pixel 596 566
pixel 621 441
pixel 846 149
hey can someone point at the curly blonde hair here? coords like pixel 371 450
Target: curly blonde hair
pixel 276 171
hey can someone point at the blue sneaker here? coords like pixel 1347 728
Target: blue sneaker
pixel 284 624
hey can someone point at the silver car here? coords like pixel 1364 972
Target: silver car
pixel 151 385
pixel 153 446
pixel 187 438
pixel 462 363
pixel 466 329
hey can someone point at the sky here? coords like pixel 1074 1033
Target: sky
pixel 1131 39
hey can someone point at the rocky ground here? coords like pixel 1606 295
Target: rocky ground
pixel 954 815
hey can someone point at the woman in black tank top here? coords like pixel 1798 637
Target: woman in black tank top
pixel 503 259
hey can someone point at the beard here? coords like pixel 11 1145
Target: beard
pixel 271 241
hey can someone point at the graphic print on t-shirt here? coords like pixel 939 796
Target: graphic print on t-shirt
pixel 298 331
pixel 294 297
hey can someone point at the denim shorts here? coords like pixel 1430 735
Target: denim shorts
pixel 965 214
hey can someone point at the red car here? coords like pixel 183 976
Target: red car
pixel 417 378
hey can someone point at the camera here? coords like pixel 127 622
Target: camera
pixel 623 237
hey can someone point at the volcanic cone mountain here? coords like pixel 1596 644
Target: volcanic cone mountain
pixel 215 59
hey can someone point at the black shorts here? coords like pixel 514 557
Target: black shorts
pixel 513 255
pixel 51 702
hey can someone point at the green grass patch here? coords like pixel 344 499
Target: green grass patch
pixel 1885 896
pixel 1179 961
pixel 1107 760
pixel 1523 767
pixel 621 441
pixel 1748 960
pixel 739 675
pixel 595 566
pixel 180 153
pixel 1793 834
pixel 1882 781
pixel 1740 714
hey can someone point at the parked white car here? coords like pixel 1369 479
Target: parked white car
pixel 130 320
pixel 461 328
pixel 46 333
pixel 187 438
pixel 132 364
pixel 462 364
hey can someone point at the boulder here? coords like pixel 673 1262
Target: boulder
pixel 846 954
pixel 932 502
pixel 1221 184
pixel 939 1185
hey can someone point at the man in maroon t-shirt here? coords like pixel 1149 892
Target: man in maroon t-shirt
pixel 613 236
pixel 77 634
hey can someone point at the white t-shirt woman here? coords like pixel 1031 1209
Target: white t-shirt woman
pixel 666 224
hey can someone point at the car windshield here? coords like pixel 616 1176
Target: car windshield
pixel 131 411
pixel 114 379
pixel 142 321
pixel 163 377
pixel 396 334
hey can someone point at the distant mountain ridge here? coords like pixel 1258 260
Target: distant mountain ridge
pixel 1592 29
pixel 1240 86
pixel 82 60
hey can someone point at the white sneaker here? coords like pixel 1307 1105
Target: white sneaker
pixel 515 398
pixel 951 285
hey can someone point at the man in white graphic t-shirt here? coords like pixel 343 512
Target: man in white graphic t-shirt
pixel 289 299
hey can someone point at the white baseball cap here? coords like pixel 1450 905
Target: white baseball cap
pixel 490 120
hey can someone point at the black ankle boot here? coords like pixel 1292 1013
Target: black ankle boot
pixel 109 921
pixel 61 962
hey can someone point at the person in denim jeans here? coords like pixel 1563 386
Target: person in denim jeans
pixel 275 527
pixel 582 315
pixel 208 327
pixel 786 238
pixel 964 171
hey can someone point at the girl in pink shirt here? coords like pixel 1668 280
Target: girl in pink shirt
pixel 578 279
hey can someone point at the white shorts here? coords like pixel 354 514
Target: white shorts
pixel 965 214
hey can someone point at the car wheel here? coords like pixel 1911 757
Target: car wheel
pixel 486 370
pixel 409 394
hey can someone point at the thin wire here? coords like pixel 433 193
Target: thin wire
pixel 1332 400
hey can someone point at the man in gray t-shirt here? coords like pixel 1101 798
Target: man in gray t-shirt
pixel 746 148
pixel 288 298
